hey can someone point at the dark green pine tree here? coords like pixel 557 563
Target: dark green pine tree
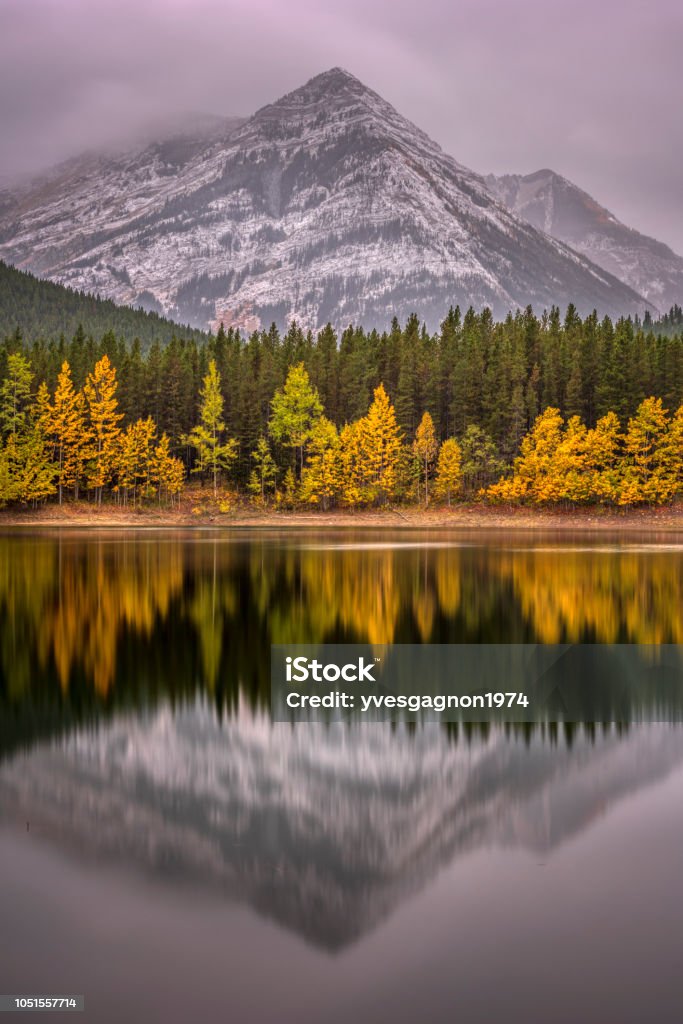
pixel 551 361
pixel 324 371
pixel 609 389
pixel 154 386
pixel 131 392
pixel 407 399
pixel 447 344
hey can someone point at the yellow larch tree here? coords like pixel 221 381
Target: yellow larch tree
pixel 104 418
pixel 379 441
pixel 570 478
pixel 448 471
pixel 534 475
pixel 425 448
pixel 350 464
pixel 134 462
pixel 65 428
pixel 646 467
pixel 674 451
pixel 603 458
pixel 321 477
pixel 168 471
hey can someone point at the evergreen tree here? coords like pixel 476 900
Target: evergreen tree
pixel 479 459
pixel 15 394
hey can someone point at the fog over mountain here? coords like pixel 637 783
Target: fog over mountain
pixel 588 90
pixel 326 205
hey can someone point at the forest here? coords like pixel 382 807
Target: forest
pixel 45 309
pixel 532 409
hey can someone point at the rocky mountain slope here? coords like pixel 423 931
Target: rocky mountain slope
pixel 326 205
pixel 552 204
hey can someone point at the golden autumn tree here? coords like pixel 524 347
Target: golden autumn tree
pixel 603 458
pixel 673 447
pixel 379 440
pixel 103 419
pixel 35 470
pixel 350 465
pixel 215 452
pixel 534 476
pixel 570 479
pixel 425 447
pixel 134 462
pixel 448 471
pixel 168 471
pixel 647 466
pixel 64 425
pixel 321 477
pixel 9 486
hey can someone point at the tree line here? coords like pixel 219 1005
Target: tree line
pixel 540 409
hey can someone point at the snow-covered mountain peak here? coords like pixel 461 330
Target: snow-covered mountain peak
pixel 326 205
pixel 335 103
pixel 327 85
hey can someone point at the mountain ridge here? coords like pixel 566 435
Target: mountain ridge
pixel 562 209
pixel 326 205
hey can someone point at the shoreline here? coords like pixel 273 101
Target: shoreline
pixel 461 517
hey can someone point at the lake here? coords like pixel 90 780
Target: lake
pixel 172 854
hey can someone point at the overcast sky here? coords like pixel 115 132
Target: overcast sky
pixel 591 88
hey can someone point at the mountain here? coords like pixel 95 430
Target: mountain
pixel 41 309
pixel 552 204
pixel 326 205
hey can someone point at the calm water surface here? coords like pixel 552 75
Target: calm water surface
pixel 172 854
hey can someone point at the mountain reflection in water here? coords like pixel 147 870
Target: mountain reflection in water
pixel 325 829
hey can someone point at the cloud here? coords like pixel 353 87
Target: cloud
pixel 591 90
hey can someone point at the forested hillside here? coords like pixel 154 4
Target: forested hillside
pixel 41 309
